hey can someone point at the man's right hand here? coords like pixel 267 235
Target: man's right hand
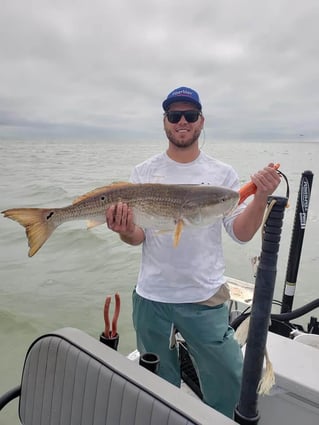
pixel 119 219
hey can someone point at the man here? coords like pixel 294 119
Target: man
pixel 184 287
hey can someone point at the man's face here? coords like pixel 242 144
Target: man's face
pixel 183 134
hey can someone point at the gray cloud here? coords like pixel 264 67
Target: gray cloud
pixel 75 69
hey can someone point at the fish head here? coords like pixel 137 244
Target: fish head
pixel 208 203
pixel 224 200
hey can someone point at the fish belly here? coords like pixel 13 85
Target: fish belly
pixel 152 220
pixel 198 218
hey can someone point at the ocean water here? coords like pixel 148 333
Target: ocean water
pixel 66 282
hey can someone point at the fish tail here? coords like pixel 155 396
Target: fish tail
pixel 250 188
pixel 37 222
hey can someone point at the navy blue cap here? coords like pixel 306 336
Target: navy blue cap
pixel 182 94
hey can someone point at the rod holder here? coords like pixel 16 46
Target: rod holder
pixel 150 361
pixel 110 341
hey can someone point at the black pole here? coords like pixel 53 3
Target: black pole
pixel 9 396
pixel 246 412
pixel 298 231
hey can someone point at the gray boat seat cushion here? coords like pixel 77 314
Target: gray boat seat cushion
pixel 69 378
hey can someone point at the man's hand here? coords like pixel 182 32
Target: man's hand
pixel 119 219
pixel 266 181
pixel 248 222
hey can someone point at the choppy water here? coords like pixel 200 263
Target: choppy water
pixel 65 284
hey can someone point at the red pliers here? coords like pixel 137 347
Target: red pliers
pixel 110 330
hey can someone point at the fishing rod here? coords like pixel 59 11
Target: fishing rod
pixel 246 411
pixel 299 227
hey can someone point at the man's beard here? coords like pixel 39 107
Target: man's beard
pixel 183 143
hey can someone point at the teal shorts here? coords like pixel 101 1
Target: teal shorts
pixel 210 340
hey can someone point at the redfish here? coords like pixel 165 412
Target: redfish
pixel 164 207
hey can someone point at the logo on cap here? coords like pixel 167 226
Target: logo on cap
pixel 181 94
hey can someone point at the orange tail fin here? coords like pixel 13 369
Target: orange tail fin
pixel 249 189
pixel 37 225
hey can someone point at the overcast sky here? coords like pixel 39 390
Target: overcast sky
pixel 99 69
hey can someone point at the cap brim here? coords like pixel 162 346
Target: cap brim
pixel 167 103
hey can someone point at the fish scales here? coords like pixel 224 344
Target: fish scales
pixel 145 197
pixel 153 198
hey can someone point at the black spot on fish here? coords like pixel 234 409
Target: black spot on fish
pixel 102 198
pixel 50 215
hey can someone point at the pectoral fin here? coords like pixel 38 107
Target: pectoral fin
pixel 94 223
pixel 162 232
pixel 178 232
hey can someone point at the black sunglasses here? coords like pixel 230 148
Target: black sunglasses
pixel 175 116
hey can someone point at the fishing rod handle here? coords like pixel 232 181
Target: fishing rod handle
pixel 247 411
pixel 298 230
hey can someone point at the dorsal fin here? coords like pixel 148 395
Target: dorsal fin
pixel 99 191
